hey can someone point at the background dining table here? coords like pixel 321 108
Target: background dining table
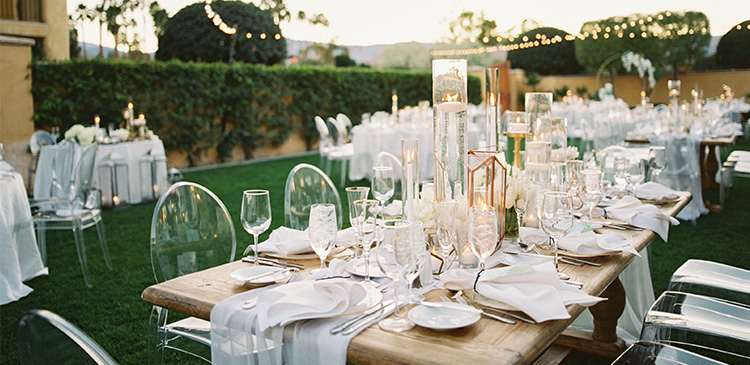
pixel 20 259
pixel 487 341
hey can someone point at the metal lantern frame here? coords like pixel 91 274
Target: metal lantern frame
pixel 487 168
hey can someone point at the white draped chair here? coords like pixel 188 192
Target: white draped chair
pixel 683 170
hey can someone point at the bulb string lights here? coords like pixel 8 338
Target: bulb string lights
pixel 635 28
pixel 224 27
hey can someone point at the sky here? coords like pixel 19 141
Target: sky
pixel 369 22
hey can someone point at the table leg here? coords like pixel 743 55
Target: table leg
pixel 709 167
pixel 607 312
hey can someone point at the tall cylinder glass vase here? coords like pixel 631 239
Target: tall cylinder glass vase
pixel 538 105
pixel 450 101
pixel 493 109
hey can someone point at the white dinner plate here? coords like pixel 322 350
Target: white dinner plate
pixel 246 275
pixel 372 298
pixel 303 256
pixel 357 267
pixel 441 319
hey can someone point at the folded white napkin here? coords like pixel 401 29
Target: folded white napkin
pixel 285 241
pixel 394 208
pixel 633 211
pixel 654 191
pixel 4 166
pixel 582 243
pixel 534 289
pixel 307 299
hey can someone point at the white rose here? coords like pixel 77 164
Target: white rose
pixel 426 213
pixel 73 131
pixel 121 134
pixel 86 136
pixel 510 196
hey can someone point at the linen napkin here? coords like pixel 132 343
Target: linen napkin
pixel 582 243
pixel 285 241
pixel 654 191
pixel 633 211
pixel 306 300
pixel 534 289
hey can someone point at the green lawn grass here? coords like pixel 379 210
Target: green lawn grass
pixel 113 313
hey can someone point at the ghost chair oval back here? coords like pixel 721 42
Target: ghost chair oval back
pixel 75 211
pixel 644 352
pixel 38 139
pixel 307 185
pixel 712 279
pixel 191 230
pixel 326 143
pixel 44 337
pixel 342 151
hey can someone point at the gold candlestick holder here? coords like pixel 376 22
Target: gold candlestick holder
pixel 517 138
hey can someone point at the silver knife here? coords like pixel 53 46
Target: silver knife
pixel 272 262
pixel 372 318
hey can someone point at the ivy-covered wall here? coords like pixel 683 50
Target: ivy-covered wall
pixel 195 107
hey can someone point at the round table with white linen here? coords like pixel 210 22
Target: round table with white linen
pixel 19 255
pixel 369 140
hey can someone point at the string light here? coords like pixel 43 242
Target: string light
pixel 635 25
pixel 224 27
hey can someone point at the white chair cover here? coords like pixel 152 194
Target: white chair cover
pixel 683 171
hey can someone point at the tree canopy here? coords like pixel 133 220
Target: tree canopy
pixel 555 58
pixel 733 50
pixel 190 35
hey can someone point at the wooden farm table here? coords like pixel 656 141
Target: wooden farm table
pixel 487 341
pixel 708 161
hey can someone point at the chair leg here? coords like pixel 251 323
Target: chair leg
pixel 157 335
pixel 41 240
pixel 343 172
pixel 328 166
pixel 81 248
pixel 103 243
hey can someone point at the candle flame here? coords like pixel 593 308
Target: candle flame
pixel 140 116
pixel 96 119
pixel 130 105
pixel 492 98
pixel 450 97
pixel 115 199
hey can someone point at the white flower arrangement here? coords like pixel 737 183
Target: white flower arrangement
pixel 425 210
pixel 122 134
pixel 84 135
pixel 642 66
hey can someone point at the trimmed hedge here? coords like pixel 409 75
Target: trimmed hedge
pixel 195 107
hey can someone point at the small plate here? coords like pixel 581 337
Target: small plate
pixel 659 201
pixel 547 250
pixel 357 267
pixel 303 256
pixel 246 273
pixel 441 319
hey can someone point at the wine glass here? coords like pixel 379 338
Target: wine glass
pixel 556 216
pixel 591 191
pixel 621 166
pixel 523 198
pixel 573 170
pixel 255 216
pixel 421 251
pixel 55 133
pixel 636 174
pixel 355 193
pixel 322 231
pixel 445 220
pixel 365 212
pixel 395 256
pixel 657 161
pixel 482 233
pixel 382 185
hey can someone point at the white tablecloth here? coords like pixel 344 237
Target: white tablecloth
pixel 369 141
pixel 130 152
pixel 19 255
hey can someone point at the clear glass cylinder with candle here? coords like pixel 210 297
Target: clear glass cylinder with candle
pixel 450 101
pixel 555 131
pixel 410 178
pixel 538 159
pixel 538 105
pixel 516 126
pixel 492 108
pixel 674 93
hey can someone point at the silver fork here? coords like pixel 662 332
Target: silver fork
pixel 462 301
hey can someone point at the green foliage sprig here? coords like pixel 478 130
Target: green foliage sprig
pixel 196 107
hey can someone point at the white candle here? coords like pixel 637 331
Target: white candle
pixel 451 107
pixel 518 127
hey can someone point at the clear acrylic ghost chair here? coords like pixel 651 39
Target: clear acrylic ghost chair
pixel 712 279
pixel 307 185
pixel 644 352
pixel 385 158
pixel 345 122
pixel 38 139
pixel 683 171
pixel 606 160
pixel 341 151
pixel 326 143
pixel 191 230
pixel 44 337
pixel 699 324
pixel 76 212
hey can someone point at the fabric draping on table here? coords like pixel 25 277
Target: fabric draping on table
pixel 19 255
pixel 534 289
pixel 683 171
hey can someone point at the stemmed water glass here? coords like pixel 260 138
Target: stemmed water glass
pixel 421 250
pixel 322 231
pixel 657 161
pixel 636 174
pixel 622 169
pixel 382 185
pixel 355 193
pixel 556 216
pixel 523 197
pixel 365 212
pixel 591 191
pixel 395 256
pixel 55 133
pixel 445 220
pixel 573 170
pixel 482 233
pixel 255 216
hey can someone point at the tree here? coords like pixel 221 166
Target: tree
pixel 99 12
pixel 405 56
pixel 343 60
pixel 191 36
pixel 733 50
pixel 532 80
pixel 82 13
pixel 469 27
pixel 75 49
pixel 537 52
pixel 282 13
pixel 159 16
